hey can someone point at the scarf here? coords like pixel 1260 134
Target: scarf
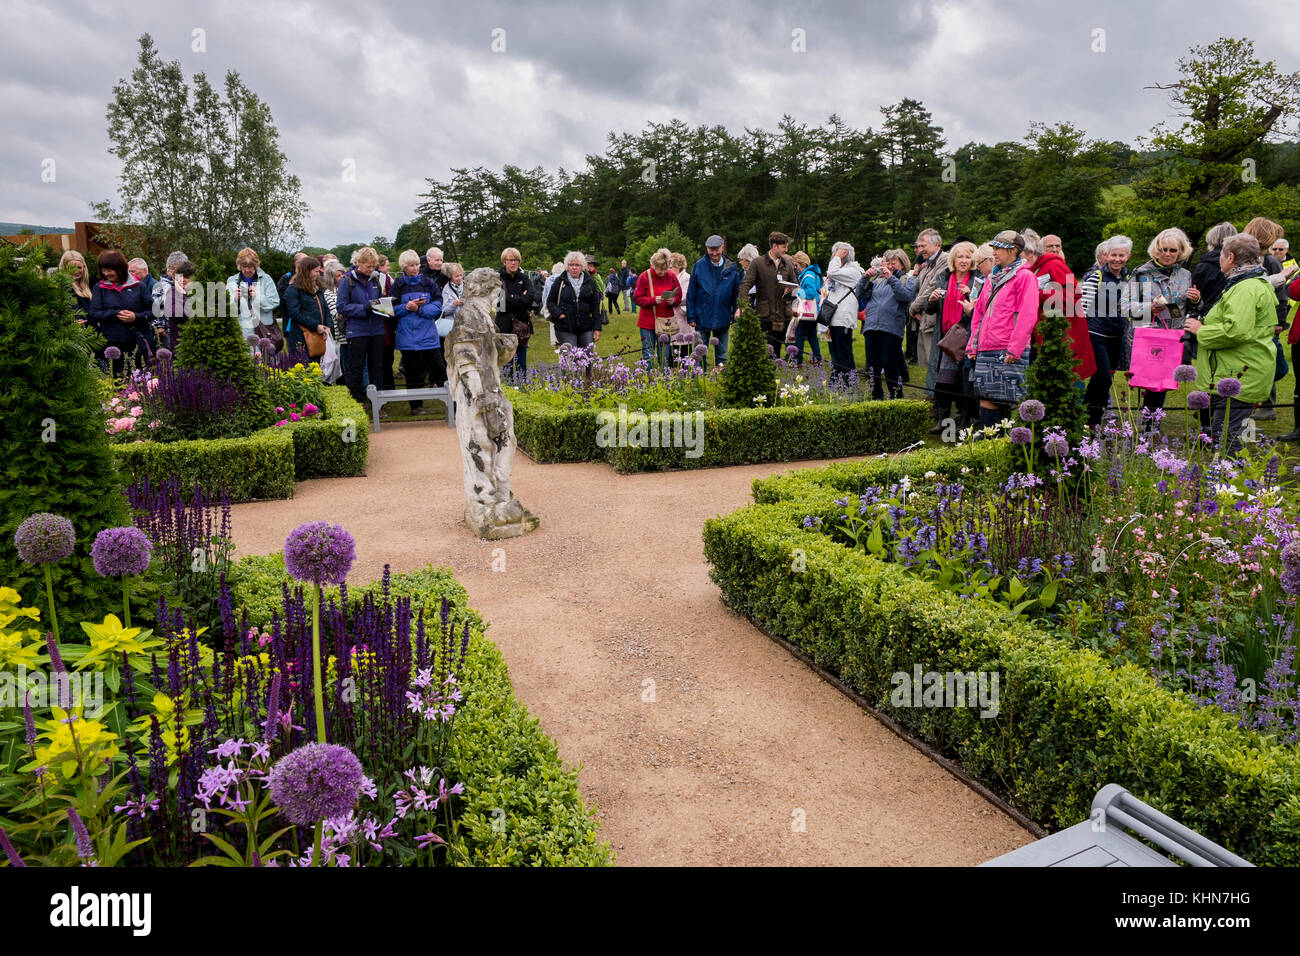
pixel 1001 276
pixel 1240 274
pixel 952 310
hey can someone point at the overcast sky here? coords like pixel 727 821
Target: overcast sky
pixel 412 90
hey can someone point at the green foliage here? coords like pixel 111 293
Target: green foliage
pixel 265 464
pixel 1058 185
pixel 1067 723
pixel 1051 380
pixel 522 807
pixel 210 175
pixel 53 445
pixel 252 468
pixel 749 377
pixel 729 436
pixel 214 342
pixel 670 237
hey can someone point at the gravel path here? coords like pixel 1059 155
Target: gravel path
pixel 700 740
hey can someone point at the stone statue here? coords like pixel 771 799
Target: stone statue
pixel 485 420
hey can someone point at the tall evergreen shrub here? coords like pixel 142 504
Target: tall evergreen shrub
pixel 750 371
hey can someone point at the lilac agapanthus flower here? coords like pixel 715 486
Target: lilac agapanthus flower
pixel 315 782
pixel 319 552
pixel 118 552
pixel 45 537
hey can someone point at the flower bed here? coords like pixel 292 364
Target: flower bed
pixel 210 747
pixel 266 463
pixel 873 584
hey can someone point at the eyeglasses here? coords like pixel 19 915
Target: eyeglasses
pixel 1171 250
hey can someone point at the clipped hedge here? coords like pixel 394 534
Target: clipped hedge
pixel 511 769
pixel 259 466
pixel 319 448
pixel 730 436
pixel 1068 722
pixel 265 464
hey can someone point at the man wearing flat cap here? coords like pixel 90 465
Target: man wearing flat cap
pixel 711 296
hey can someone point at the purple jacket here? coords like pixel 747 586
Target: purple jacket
pixel 354 295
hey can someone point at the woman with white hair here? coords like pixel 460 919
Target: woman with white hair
pixel 1165 288
pixel 574 304
pixel 418 304
pixel 747 254
pixel 514 316
pixel 1109 307
pixel 357 289
pixel 843 273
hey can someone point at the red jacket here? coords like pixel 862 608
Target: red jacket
pixel 1063 290
pixel 644 296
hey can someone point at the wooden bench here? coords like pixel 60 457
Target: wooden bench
pixel 379 398
pixel 1102 840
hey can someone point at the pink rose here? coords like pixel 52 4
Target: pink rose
pixel 295 417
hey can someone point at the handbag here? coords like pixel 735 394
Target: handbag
pixel 273 333
pixel 330 367
pixel 826 313
pixel 314 341
pixel 953 343
pixel 996 381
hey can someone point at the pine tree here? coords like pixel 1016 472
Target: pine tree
pixel 750 372
pixel 1051 379
pixel 214 342
pixel 54 443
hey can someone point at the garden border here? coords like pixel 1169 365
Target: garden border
pixel 507 762
pixel 262 465
pixel 1069 721
pixel 731 436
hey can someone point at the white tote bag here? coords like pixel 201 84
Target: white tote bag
pixel 329 362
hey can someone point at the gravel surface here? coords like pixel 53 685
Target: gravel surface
pixel 700 740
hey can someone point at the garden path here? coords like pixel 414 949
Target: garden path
pixel 612 591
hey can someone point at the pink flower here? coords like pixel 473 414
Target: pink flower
pixel 155 423
pixel 292 405
pixel 136 411
pixel 310 409
pixel 281 422
pixel 279 409
pixel 294 416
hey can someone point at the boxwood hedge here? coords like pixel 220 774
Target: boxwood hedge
pixel 522 806
pixel 266 463
pixel 1068 721
pixel 730 436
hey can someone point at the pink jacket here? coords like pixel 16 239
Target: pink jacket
pixel 1011 322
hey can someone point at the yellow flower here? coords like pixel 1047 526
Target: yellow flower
pixel 173 724
pixel 70 734
pixel 109 640
pixel 10 610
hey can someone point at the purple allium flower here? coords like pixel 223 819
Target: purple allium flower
pixel 45 537
pixel 1291 567
pixel 791 351
pixel 663 338
pixel 713 340
pixel 319 552
pixel 1032 410
pixel 85 849
pixel 10 852
pixel 112 353
pixel 118 552
pixel 1184 374
pixel 315 782
pixel 266 344
pixel 164 355
pixel 1229 387
pixel 252 339
pixel 1198 401
pixel 1020 435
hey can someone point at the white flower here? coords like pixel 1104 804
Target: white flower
pixel 965 470
pixel 931 474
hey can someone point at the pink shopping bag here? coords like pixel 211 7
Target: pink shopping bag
pixel 1156 353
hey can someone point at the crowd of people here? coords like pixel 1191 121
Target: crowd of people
pixel 962 317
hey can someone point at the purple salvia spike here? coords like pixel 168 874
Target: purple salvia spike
pixel 56 661
pixel 85 849
pixel 27 719
pixel 10 853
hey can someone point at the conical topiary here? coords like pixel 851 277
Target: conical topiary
pixel 1052 381
pixel 215 342
pixel 749 377
pixel 54 445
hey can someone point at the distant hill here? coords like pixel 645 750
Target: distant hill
pixel 14 228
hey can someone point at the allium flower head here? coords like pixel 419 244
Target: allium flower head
pixel 252 339
pixel 1020 435
pixel 45 537
pixel 112 353
pixel 316 782
pixel 1198 401
pixel 319 552
pixel 1229 387
pixel 1184 374
pixel 1032 410
pixel 713 340
pixel 118 552
pixel 663 338
pixel 1056 444
pixel 164 355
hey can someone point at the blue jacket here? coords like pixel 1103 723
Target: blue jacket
pixel 303 310
pixel 711 295
pixel 810 282
pixel 354 297
pixel 887 302
pixel 108 300
pixel 416 331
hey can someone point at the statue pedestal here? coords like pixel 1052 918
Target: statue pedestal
pixel 491 525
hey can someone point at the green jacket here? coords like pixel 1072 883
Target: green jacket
pixel 1236 340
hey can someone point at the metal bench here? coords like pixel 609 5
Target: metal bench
pixel 1101 840
pixel 378 399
